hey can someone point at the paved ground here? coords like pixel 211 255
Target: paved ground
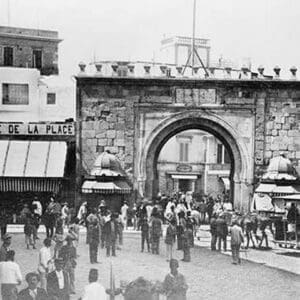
pixel 210 275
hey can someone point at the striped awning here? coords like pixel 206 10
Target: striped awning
pixel 32 158
pixel 21 184
pixel 110 187
pixel 31 166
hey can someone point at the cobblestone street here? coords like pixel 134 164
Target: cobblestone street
pixel 210 275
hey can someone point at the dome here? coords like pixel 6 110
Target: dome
pixel 280 168
pixel 107 164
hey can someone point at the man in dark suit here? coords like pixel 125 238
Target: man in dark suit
pixel 32 292
pixel 110 232
pixel 58 286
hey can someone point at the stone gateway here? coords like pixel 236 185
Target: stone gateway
pixel 134 117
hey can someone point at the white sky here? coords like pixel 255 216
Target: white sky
pixel 268 31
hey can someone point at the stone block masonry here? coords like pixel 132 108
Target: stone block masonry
pixel 122 115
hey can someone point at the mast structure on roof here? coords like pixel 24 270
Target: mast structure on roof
pixel 191 57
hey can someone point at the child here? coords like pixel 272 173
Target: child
pixel 170 238
pixel 145 233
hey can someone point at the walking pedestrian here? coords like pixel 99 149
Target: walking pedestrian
pixel 170 238
pixel 202 210
pixel 180 229
pixel 45 259
pixel 110 234
pixel 65 214
pixel 10 277
pixel 213 232
pixel 187 243
pixel 124 214
pixel 210 207
pixel 156 232
pixel 237 238
pixel 144 233
pixel 5 247
pixel 37 213
pixel 120 229
pixel 29 232
pixel 222 232
pixel 59 242
pixel 59 224
pixel 4 217
pixel 68 254
pixel 94 239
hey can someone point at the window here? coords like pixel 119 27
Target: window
pixel 51 98
pixel 184 152
pixel 37 59
pixel 222 155
pixel 16 94
pixel 219 153
pixel 8 56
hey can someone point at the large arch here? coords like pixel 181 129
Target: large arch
pixel 241 174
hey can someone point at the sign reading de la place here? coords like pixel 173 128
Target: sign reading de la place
pixel 61 129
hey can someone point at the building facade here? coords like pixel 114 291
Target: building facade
pixel 195 161
pixel 37 112
pixel 29 48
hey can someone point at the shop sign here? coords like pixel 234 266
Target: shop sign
pixel 184 168
pixel 37 129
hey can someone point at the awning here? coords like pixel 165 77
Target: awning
pixel 265 188
pixel 295 197
pixel 31 165
pixel 226 182
pixel 285 190
pixel 102 187
pixel 22 184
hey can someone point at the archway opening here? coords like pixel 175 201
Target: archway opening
pixel 194 161
pixel 162 135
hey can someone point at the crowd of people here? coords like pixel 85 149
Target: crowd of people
pixel 176 219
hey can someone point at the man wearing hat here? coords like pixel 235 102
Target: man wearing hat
pixel 237 238
pixel 32 292
pixel 58 282
pixel 94 290
pixel 5 246
pixel 222 232
pixel 174 285
pixel 68 254
pixel 110 231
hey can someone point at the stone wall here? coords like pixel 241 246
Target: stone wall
pixel 107 124
pixel 121 115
